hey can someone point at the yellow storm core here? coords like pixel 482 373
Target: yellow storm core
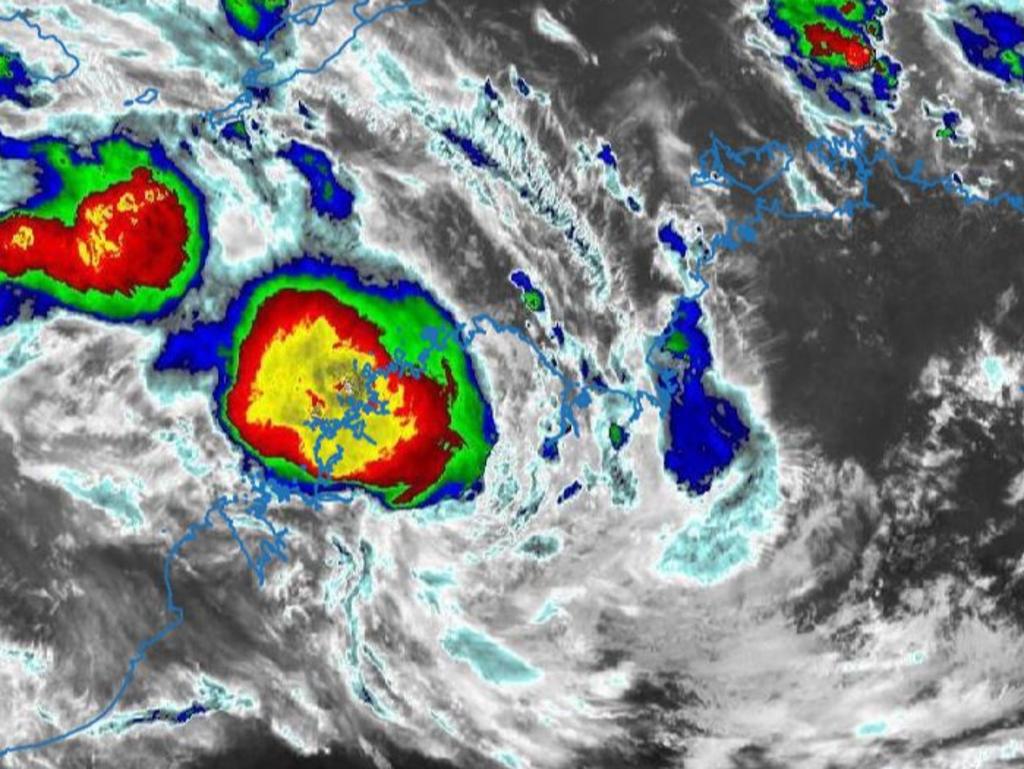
pixel 306 372
pixel 97 246
pixel 24 238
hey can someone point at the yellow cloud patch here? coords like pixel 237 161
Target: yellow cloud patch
pixel 302 374
pixel 23 238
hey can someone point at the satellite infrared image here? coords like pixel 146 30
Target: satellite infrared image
pixel 463 384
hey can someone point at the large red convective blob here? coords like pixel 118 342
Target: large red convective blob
pixel 417 461
pixel 130 235
pixel 825 42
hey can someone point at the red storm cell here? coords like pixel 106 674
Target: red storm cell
pixel 825 42
pixel 130 235
pixel 424 441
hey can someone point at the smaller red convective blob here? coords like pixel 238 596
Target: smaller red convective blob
pixel 131 234
pixel 826 42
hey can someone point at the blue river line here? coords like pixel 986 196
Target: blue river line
pixel 41 77
pixel 178 614
pixel 266 491
pixel 836 152
pixel 575 394
pixel 308 16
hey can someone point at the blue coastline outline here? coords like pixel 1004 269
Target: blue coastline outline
pixel 269 550
pixel 837 153
pixel 42 77
pixel 207 347
pixel 307 16
pixel 715 171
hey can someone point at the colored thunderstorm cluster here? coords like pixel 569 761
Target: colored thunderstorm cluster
pixel 121 234
pixel 254 20
pixel 14 78
pixel 704 431
pixel 533 299
pixel 327 196
pixel 833 47
pixel 331 384
pixel 990 41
